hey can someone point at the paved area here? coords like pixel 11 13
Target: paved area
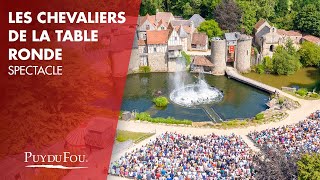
pixel 199 53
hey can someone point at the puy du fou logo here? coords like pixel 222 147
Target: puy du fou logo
pixel 51 158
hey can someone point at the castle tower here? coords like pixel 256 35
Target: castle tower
pixel 218 56
pixel 244 53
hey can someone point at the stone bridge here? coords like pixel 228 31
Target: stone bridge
pixel 232 73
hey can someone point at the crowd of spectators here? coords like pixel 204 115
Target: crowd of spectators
pixel 174 156
pixel 303 137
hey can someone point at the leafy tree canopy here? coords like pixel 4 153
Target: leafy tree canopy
pixel 309 54
pixel 285 62
pixel 309 167
pixel 228 15
pixel 211 28
pixel 307 20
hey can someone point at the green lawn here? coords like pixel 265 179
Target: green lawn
pixel 129 135
pixel 306 78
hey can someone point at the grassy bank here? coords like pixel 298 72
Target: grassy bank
pixel 169 120
pixel 136 137
pixel 306 78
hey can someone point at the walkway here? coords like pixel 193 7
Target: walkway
pixel 232 73
pixel 199 53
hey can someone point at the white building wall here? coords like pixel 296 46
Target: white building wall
pixel 157 48
pixel 174 39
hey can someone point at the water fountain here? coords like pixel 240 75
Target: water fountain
pixel 196 94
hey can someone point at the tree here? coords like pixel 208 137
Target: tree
pixel 309 54
pixel 268 64
pixel 228 15
pixel 285 63
pixel 307 20
pixel 266 10
pixel 211 28
pixel 249 15
pixel 187 10
pixel 150 6
pixel 309 167
pixel 274 164
pixel 282 8
pixel 285 22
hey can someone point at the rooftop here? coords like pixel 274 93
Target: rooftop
pixel 197 20
pixel 288 33
pixel 311 38
pixel 202 61
pixel 199 38
pixel 157 37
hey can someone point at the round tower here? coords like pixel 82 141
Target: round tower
pixel 243 62
pixel 218 56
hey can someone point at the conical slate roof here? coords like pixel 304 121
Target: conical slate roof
pixel 182 33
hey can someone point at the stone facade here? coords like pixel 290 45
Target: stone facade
pixel 268 37
pixel 234 51
pixel 244 54
pixel 158 62
pixel 134 63
pixel 218 56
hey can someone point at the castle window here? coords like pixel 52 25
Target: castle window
pixel 271 48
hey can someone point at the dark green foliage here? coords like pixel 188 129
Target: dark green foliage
pixel 234 14
pixel 160 101
pixel 302 92
pixel 211 28
pixel 169 120
pixel 309 54
pixel 268 64
pixel 308 21
pixel 144 69
pixel 309 167
pixel 249 15
pixel 228 15
pixel 285 61
pixel 150 6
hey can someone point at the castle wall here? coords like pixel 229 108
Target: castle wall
pixel 218 56
pixel 134 61
pixel 244 55
pixel 158 62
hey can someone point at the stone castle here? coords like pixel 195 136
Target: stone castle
pixel 234 50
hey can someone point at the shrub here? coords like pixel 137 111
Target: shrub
pixel 169 120
pixel 260 69
pixel 187 58
pixel 144 69
pixel 302 92
pixel 281 100
pixel 259 116
pixel 268 64
pixel 308 167
pixel 161 101
pixel 314 95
